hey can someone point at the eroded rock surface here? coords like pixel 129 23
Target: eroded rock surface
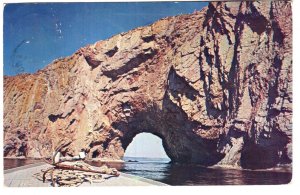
pixel 215 85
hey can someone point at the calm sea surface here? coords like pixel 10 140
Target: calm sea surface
pixel 175 174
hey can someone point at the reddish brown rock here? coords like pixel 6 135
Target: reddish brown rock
pixel 215 85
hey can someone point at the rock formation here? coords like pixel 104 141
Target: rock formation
pixel 215 85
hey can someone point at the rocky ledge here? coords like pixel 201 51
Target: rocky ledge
pixel 215 85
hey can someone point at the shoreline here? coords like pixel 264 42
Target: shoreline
pixel 23 177
pixel 105 160
pixel 92 160
pixel 277 168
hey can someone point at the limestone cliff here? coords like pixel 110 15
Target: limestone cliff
pixel 215 85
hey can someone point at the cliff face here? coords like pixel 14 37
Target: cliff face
pixel 215 85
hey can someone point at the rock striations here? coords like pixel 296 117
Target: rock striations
pixel 215 85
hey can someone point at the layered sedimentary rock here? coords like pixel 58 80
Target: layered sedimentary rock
pixel 215 85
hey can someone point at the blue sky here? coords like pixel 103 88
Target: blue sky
pixel 36 34
pixel 146 145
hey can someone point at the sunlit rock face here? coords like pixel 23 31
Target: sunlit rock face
pixel 215 85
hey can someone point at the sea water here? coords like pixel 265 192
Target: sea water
pixel 178 174
pixel 162 170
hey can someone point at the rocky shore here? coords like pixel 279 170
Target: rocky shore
pixel 215 85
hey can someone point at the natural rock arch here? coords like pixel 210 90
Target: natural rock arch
pixel 211 84
pixel 168 122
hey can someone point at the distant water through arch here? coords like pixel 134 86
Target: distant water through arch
pixel 146 145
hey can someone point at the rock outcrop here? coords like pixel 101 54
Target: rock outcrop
pixel 215 85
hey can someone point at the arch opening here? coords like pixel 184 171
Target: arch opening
pixel 146 145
